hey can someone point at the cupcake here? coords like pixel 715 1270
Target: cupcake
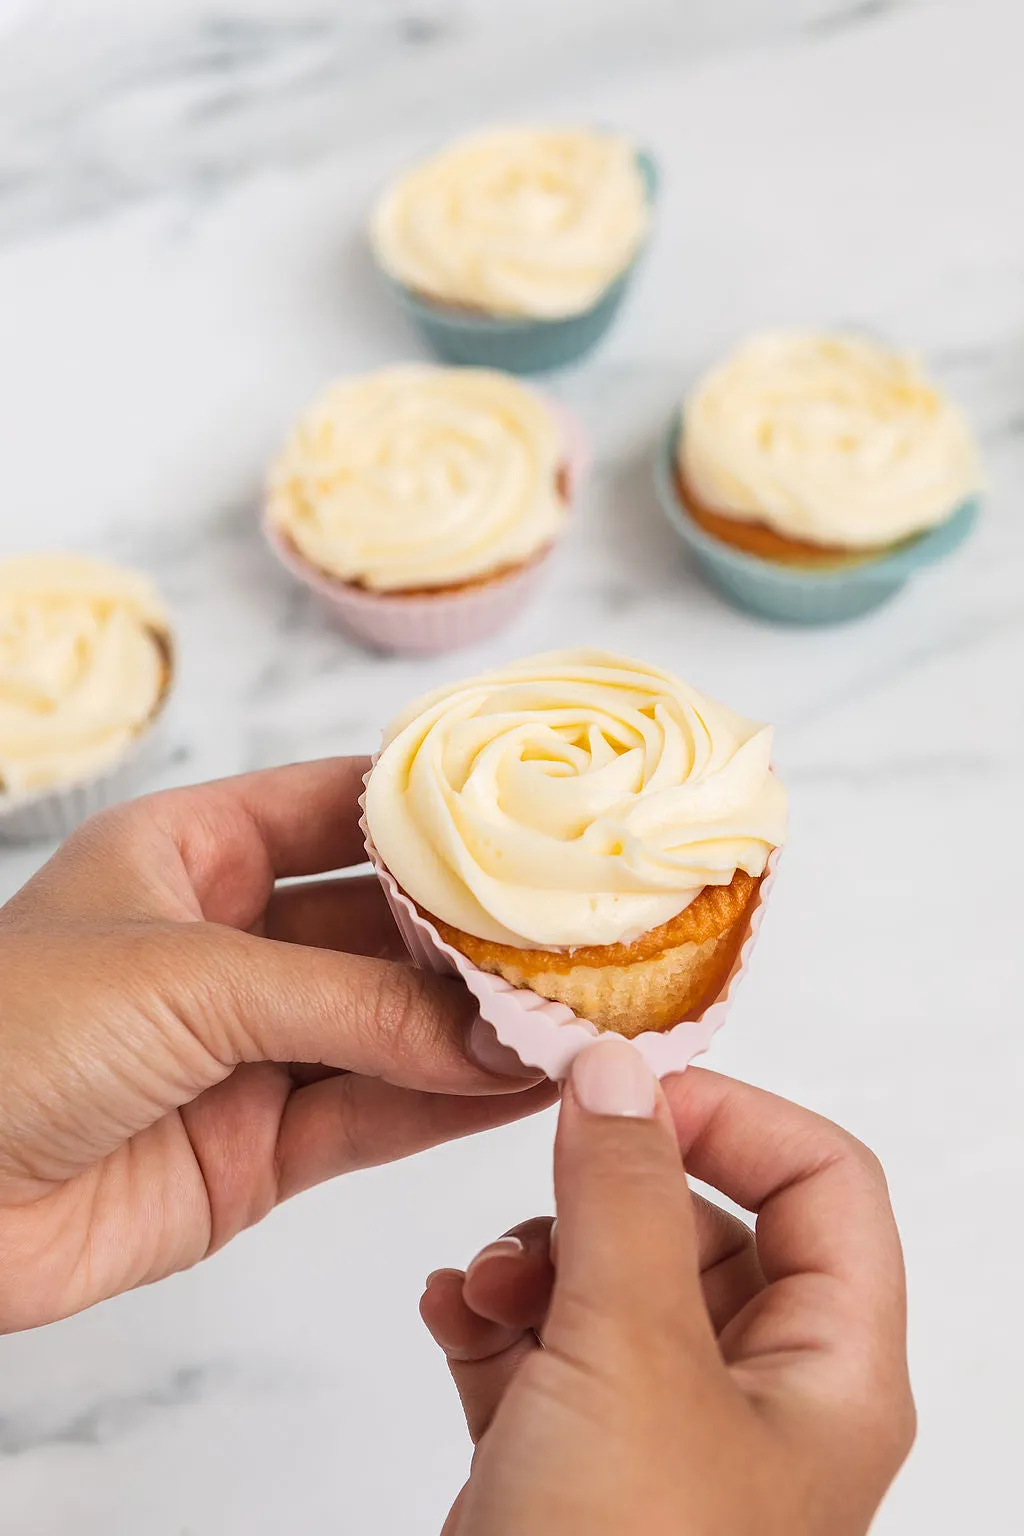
pixel 86 664
pixel 513 248
pixel 588 829
pixel 817 472
pixel 422 502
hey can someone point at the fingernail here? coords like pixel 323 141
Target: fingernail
pixel 435 1274
pixel 553 1242
pixel 503 1248
pixel 488 1052
pixel 610 1077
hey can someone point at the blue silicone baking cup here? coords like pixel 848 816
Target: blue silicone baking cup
pixel 522 345
pixel 791 596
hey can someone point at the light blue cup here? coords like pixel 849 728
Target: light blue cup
pixel 793 596
pixel 522 345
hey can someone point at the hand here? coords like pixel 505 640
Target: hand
pixel 156 988
pixel 693 1380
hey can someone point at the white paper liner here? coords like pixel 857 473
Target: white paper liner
pixel 428 623
pixel 545 1034
pixel 53 814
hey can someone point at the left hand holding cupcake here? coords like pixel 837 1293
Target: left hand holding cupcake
pixel 672 1372
pixel 182 1046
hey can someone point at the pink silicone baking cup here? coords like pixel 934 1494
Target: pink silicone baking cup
pixel 424 624
pixel 549 1035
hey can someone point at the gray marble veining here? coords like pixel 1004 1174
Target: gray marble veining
pixel 185 100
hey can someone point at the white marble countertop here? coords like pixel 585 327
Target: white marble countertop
pixel 181 191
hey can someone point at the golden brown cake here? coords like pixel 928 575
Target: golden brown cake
pixel 669 974
pixel 757 538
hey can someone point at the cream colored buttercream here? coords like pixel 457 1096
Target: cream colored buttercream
pixel 421 477
pixel 517 221
pixel 571 799
pixel 828 439
pixel 82 669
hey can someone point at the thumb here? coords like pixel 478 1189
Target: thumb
pixel 628 1265
pixel 284 1002
pixel 249 999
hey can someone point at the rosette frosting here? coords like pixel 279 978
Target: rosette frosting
pixel 83 667
pixel 828 439
pixel 576 798
pixel 535 222
pixel 419 477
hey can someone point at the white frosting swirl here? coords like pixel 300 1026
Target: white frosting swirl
pixel 421 477
pixel 82 667
pixel 827 439
pixel 517 221
pixel 571 799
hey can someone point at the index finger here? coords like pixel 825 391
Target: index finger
pixel 305 817
pixel 214 850
pixel 820 1196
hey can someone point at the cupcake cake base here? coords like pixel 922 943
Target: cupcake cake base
pixel 788 594
pixel 549 1034
pixel 669 975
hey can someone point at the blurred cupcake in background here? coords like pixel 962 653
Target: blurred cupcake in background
pixel 513 249
pixel 812 474
pixel 421 502
pixel 86 666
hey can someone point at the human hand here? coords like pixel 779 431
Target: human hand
pixel 692 1379
pixel 157 990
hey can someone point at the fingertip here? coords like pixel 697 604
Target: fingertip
pixel 443 1311
pixel 610 1078
pixel 464 1334
pixel 502 1249
pixel 509 1282
pixel 439 1274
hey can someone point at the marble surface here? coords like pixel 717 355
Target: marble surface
pixel 182 186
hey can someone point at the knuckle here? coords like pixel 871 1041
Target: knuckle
pixel 120 834
pixel 841 1147
pixel 112 826
pixel 905 1427
pixel 874 1387
pixel 889 1420
pixel 350 1151
pixel 867 1160
pixel 877 1176
pixel 398 1006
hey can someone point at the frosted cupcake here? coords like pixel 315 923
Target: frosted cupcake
pixel 817 455
pixel 513 248
pixel 422 502
pixel 585 827
pixel 86 666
